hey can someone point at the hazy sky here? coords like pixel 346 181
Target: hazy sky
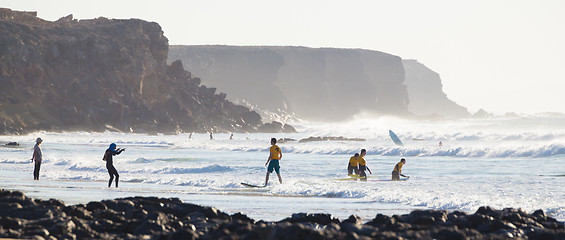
pixel 502 56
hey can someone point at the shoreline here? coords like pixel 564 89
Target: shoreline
pixel 170 218
pixel 255 203
pixel 224 201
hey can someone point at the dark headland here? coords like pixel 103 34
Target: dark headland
pixel 168 218
pixel 105 74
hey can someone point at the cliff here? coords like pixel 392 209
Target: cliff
pixel 320 84
pixel 316 84
pixel 103 74
pixel 426 94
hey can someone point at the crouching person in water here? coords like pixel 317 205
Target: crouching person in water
pixel 273 161
pixel 108 157
pixel 352 166
pixel 397 171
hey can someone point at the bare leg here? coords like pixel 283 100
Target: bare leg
pixel 267 178
pixel 280 179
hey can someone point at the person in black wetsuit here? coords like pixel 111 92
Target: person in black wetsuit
pixel 110 152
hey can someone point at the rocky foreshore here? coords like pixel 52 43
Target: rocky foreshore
pixel 159 218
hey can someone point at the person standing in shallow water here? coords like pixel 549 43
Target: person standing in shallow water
pixel 273 161
pixel 108 157
pixel 37 157
pixel 363 166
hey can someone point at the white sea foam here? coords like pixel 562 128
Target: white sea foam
pixel 480 163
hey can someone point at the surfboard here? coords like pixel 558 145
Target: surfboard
pixel 395 138
pixel 347 179
pixel 386 180
pixel 251 185
pixel 353 177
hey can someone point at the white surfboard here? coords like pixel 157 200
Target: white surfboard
pixel 395 138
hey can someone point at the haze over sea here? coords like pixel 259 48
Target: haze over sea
pixel 500 162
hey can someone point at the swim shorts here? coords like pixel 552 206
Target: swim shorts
pixel 352 170
pixel 274 164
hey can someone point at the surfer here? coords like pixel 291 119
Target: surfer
pixel 37 157
pixel 108 157
pixel 396 172
pixel 363 166
pixel 273 161
pixel 352 166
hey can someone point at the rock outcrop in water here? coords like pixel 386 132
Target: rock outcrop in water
pixel 159 218
pixel 319 83
pixel 103 74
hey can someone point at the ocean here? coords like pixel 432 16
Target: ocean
pixel 514 161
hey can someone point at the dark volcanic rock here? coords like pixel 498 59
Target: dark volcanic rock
pixel 159 218
pixel 103 74
pixel 319 218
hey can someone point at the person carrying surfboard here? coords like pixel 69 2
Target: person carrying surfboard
pixel 353 165
pixel 363 166
pixel 273 161
pixel 396 172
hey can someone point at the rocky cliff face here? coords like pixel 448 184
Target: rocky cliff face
pixel 316 84
pixel 99 74
pixel 426 94
pixel 320 84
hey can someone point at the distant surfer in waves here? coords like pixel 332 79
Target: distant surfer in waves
pixel 273 161
pixel 108 157
pixel 363 166
pixel 397 171
pixel 37 157
pixel 352 166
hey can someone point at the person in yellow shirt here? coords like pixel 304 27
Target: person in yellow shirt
pixel 363 166
pixel 273 161
pixel 397 171
pixel 352 166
